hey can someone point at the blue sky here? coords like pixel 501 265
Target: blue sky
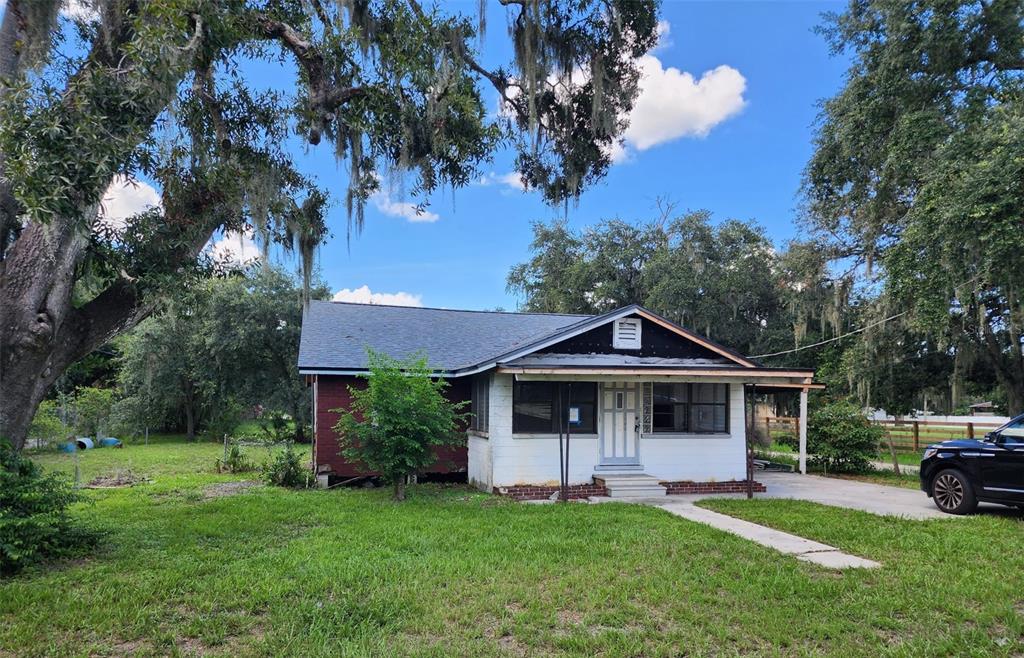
pixel 746 167
pixel 724 123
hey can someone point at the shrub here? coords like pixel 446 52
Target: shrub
pixel 787 439
pixel 277 427
pixel 234 462
pixel 840 438
pixel 34 519
pixel 285 469
pixel 46 425
pixel 226 416
pixel 92 408
pixel 395 422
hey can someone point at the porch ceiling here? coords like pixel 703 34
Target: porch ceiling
pixel 781 379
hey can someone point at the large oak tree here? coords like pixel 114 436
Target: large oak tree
pixel 918 172
pixel 165 90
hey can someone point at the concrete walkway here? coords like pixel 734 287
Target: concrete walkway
pixel 864 496
pixel 803 549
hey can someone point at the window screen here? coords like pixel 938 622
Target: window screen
pixel 534 404
pixel 690 408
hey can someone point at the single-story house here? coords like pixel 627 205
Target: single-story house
pixel 650 406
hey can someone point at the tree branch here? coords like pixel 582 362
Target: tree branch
pixel 500 83
pixel 324 96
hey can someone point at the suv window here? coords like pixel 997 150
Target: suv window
pixel 1013 434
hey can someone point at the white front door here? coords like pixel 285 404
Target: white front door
pixel 620 423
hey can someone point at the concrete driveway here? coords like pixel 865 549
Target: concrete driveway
pixel 875 498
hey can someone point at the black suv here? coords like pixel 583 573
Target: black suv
pixel 957 474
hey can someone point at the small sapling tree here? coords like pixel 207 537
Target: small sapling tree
pixel 394 423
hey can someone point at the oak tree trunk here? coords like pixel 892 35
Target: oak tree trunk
pixel 41 331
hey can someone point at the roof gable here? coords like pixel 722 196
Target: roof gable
pixel 685 339
pixel 656 341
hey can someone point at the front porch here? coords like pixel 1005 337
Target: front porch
pixel 619 434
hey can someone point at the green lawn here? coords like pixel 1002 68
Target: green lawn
pixel 165 455
pixel 455 572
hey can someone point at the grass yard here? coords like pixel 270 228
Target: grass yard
pixel 268 572
pixel 165 455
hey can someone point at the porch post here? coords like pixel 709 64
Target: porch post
pixel 803 431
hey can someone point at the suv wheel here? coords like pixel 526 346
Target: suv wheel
pixel 952 493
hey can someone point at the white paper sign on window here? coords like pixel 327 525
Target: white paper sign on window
pixel 574 415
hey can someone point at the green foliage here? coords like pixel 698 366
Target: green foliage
pixel 841 439
pixel 394 423
pixel 224 419
pixel 34 519
pixel 919 169
pixel 234 462
pixel 787 439
pixel 230 343
pixel 163 91
pixel 285 469
pixel 93 407
pixel 276 427
pixel 725 281
pixel 48 424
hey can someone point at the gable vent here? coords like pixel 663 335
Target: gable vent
pixel 626 334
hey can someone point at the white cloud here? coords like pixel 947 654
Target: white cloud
pixel 664 30
pixel 235 249
pixel 82 10
pixel 124 198
pixel 364 295
pixel 673 104
pixel 383 199
pixel 512 180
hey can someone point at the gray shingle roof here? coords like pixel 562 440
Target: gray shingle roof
pixel 335 335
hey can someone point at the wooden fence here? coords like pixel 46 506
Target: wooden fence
pixel 907 435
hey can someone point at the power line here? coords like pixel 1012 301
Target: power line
pixel 832 340
pixel 855 331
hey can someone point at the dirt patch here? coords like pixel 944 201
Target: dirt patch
pixel 569 618
pixel 511 645
pixel 127 648
pixel 116 480
pixel 223 489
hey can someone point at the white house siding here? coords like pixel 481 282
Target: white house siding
pixel 533 459
pixel 699 457
pixel 479 462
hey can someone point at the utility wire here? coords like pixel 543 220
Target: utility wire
pixel 832 340
pixel 855 331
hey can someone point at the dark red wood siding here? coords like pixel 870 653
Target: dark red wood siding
pixel 332 392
